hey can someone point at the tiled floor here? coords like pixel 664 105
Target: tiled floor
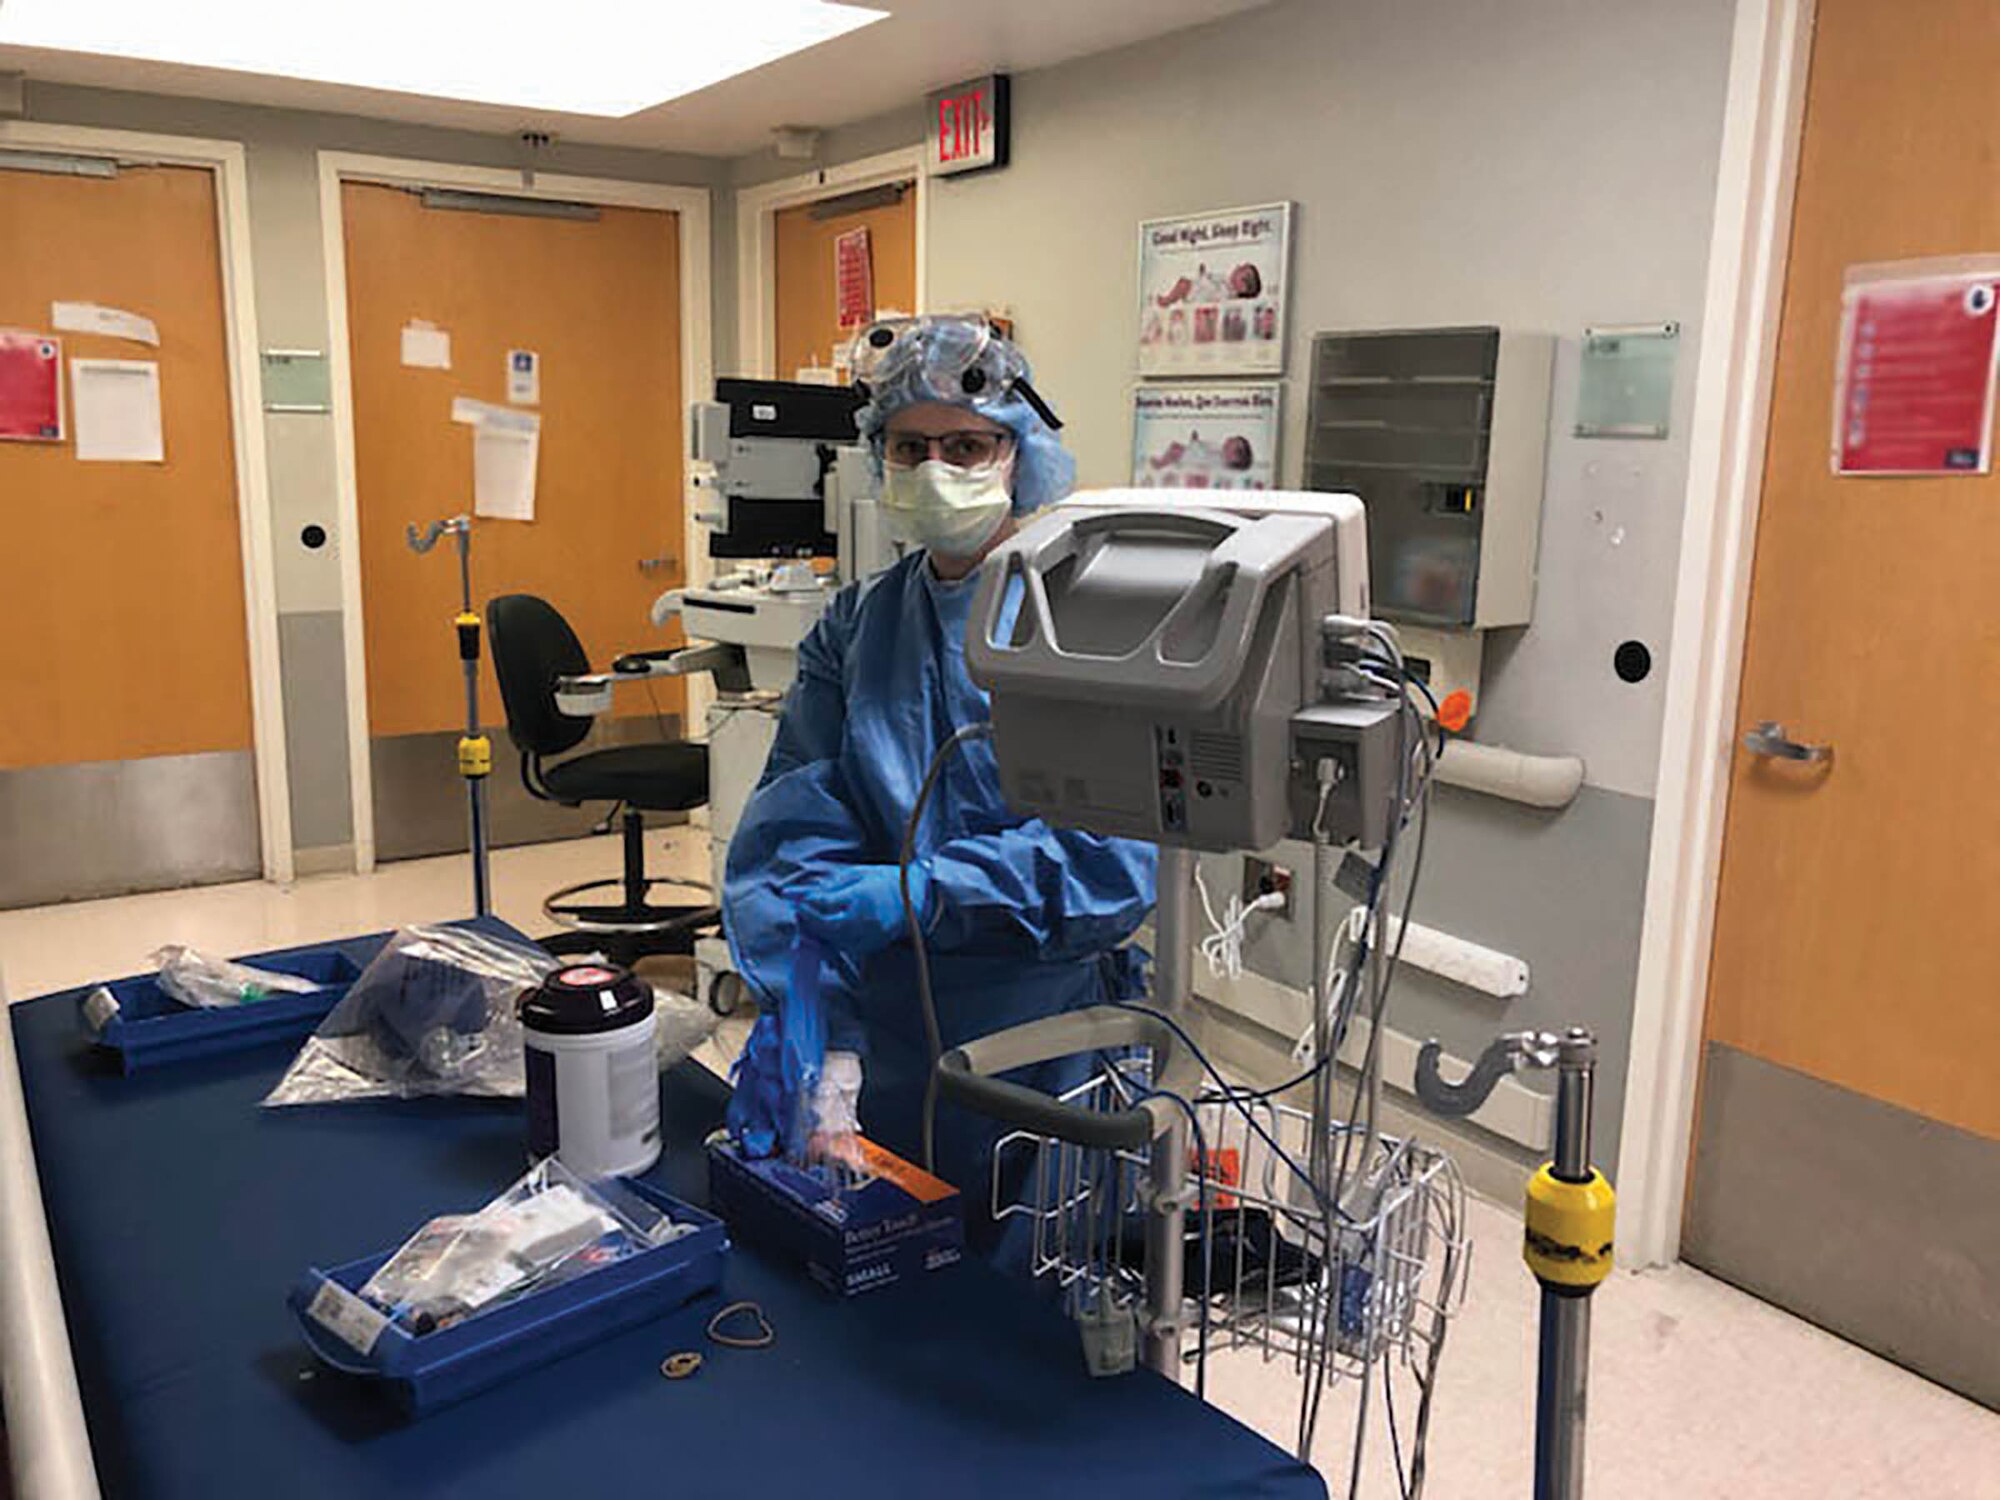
pixel 1697 1390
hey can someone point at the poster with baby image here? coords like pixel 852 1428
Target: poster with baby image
pixel 1212 292
pixel 1205 437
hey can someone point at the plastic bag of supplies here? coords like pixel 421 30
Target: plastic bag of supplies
pixel 434 1013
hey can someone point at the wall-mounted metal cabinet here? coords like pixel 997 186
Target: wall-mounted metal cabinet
pixel 1442 433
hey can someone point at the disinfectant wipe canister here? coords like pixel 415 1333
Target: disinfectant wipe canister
pixel 593 1082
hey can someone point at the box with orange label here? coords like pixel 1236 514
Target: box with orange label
pixel 893 1222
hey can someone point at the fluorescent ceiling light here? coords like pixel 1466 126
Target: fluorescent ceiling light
pixel 580 57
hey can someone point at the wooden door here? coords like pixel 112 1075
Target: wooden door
pixel 807 327
pixel 1848 1157
pixel 122 620
pixel 598 300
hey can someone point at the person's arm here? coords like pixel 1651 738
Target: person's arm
pixel 1033 889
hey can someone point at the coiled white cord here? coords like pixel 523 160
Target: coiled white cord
pixel 1222 949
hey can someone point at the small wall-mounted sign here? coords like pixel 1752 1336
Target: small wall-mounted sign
pixel 968 127
pixel 1625 381
pixel 296 380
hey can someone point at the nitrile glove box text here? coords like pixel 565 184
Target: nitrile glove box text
pixel 899 1223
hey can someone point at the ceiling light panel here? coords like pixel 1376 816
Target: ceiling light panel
pixel 580 57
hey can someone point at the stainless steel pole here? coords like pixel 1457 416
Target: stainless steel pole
pixel 1559 1394
pixel 1564 1358
pixel 1173 985
pixel 1326 921
pixel 475 785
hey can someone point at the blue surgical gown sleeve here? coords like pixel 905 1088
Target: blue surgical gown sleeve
pixel 1037 890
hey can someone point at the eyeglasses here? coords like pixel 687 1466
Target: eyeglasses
pixel 971 449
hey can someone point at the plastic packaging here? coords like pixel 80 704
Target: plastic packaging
pixel 684 1023
pixel 548 1227
pixel 420 1372
pixel 836 1104
pixel 193 978
pixel 432 1014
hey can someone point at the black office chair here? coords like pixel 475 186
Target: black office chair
pixel 533 646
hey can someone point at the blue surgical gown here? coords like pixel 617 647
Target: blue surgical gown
pixel 1026 919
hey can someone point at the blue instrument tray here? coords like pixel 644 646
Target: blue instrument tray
pixel 150 1028
pixel 421 1372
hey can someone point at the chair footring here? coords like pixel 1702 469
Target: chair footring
pixel 620 916
pixel 615 917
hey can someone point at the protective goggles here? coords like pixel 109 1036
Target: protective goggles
pixel 955 360
pixel 969 449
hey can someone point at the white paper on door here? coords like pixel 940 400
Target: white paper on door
pixel 426 346
pixel 506 450
pixel 115 408
pixel 112 322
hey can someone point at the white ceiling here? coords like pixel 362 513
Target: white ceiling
pixel 923 45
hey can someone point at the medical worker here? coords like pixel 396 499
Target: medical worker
pixel 1020 920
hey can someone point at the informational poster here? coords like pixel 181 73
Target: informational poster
pixel 31 407
pixel 1913 393
pixel 117 404
pixel 1205 437
pixel 854 278
pixel 1212 292
pixel 524 377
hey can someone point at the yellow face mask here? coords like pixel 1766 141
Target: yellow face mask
pixel 948 511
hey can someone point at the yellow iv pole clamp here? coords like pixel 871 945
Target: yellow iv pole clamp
pixel 475 751
pixel 1569 1220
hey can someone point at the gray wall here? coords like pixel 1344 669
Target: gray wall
pixel 281 147
pixel 1542 165
pixel 1564 890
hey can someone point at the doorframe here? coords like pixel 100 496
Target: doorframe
pixel 225 160
pixel 690 204
pixel 1758 169
pixel 756 241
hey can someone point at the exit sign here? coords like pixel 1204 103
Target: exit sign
pixel 968 126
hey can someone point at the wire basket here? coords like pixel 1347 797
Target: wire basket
pixel 1329 1285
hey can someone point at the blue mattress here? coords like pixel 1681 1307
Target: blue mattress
pixel 180 1213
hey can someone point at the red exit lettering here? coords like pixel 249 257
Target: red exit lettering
pixel 962 123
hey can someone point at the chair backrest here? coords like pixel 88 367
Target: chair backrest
pixel 533 646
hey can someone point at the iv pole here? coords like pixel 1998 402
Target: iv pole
pixel 1569 1221
pixel 475 751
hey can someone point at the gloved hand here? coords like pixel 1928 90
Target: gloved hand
pixel 860 910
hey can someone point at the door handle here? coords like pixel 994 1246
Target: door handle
pixel 654 564
pixel 1769 739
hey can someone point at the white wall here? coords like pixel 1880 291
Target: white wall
pixel 1537 164
pixel 1540 164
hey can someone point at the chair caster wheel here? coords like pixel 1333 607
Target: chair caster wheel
pixel 726 994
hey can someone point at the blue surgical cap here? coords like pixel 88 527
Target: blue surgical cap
pixel 962 362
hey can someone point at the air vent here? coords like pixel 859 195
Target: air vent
pixel 1215 757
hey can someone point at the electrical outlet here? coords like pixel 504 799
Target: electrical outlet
pixel 1263 876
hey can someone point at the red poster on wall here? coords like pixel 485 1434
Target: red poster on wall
pixel 854 278
pixel 30 387
pixel 1914 392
